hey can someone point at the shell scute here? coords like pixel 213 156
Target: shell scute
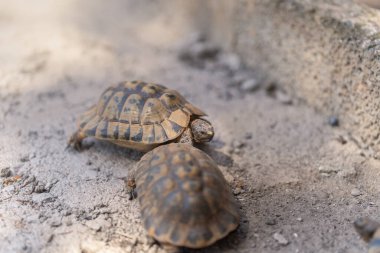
pixel 136 132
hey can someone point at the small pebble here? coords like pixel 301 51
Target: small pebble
pixel 271 222
pixel 5 172
pixel 39 188
pixel 333 121
pixel 94 225
pixel 356 192
pixel 250 85
pixel 299 219
pixel 237 191
pixel 56 223
pixel 328 169
pixel 280 239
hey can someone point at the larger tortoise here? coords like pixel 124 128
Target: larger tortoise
pixel 141 116
pixel 185 200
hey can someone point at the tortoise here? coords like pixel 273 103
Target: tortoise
pixel 369 230
pixel 141 116
pixel 184 199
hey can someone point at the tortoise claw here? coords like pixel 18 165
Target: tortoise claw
pixel 75 141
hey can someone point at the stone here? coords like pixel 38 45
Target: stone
pixel 250 85
pixel 333 121
pixel 356 192
pixel 348 173
pixel 39 188
pixel 55 223
pixel 94 225
pixel 280 239
pixel 271 222
pixel 5 172
pixel 328 169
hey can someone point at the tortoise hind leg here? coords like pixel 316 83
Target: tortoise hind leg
pixel 169 248
pixel 75 140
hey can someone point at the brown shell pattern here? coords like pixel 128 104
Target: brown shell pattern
pixel 138 112
pixel 184 198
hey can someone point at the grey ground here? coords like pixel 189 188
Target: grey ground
pixel 300 182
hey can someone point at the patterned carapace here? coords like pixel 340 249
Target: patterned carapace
pixel 138 115
pixel 184 198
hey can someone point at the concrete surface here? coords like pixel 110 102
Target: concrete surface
pixel 325 53
pixel 300 182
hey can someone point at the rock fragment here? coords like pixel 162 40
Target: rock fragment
pixel 356 192
pixel 5 172
pixel 271 222
pixel 328 169
pixel 333 121
pixel 280 239
pixel 250 85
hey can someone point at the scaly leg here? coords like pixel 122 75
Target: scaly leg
pixel 186 137
pixel 130 183
pixel 75 140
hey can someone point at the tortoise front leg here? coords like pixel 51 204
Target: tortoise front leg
pixel 130 183
pixel 186 137
pixel 75 140
pixel 168 248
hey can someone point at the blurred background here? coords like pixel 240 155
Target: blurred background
pixel 372 3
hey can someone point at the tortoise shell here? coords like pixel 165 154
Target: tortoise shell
pixel 139 115
pixel 184 198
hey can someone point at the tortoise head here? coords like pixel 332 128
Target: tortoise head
pixel 366 228
pixel 202 130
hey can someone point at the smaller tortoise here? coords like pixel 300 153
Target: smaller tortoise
pixel 369 230
pixel 185 200
pixel 141 116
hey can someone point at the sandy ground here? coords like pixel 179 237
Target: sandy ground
pixel 300 182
